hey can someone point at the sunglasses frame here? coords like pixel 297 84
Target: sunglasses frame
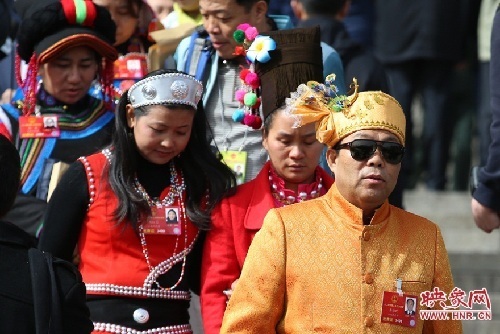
pixel 378 145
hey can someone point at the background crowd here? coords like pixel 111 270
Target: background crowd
pixel 456 109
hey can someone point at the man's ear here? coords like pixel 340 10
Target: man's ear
pixel 259 11
pixel 130 116
pixel 331 157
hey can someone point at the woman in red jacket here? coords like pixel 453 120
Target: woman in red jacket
pixel 291 175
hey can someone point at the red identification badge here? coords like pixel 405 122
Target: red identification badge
pixel 131 66
pixel 39 127
pixel 399 309
pixel 164 220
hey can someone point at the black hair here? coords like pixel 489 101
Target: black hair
pixel 249 3
pixel 204 174
pixel 268 121
pixel 10 173
pixel 296 60
pixel 323 7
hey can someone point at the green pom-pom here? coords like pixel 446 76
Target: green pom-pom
pixel 250 99
pixel 239 36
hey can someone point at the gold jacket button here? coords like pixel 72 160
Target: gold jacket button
pixel 369 321
pixel 369 278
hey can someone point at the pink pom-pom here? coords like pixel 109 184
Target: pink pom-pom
pixel 251 33
pixel 252 79
pixel 243 26
pixel 249 119
pixel 239 95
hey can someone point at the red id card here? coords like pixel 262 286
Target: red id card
pixel 39 127
pixel 164 220
pixel 399 309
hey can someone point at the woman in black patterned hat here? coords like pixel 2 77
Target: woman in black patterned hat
pixel 66 45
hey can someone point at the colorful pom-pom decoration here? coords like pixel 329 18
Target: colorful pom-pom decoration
pixel 238 115
pixel 249 119
pixel 243 73
pixel 258 46
pixel 239 95
pixel 239 36
pixel 252 79
pixel 243 26
pixel 257 123
pixel 250 99
pixel 257 103
pixel 251 33
pixel 239 51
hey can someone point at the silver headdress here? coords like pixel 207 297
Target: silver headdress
pixel 167 88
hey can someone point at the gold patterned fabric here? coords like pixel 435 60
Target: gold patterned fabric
pixel 315 268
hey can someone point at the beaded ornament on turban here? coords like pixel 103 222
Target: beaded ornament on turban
pixel 337 116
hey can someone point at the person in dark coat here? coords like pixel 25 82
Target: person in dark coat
pixel 17 313
pixel 485 203
pixel 358 62
pixel 419 43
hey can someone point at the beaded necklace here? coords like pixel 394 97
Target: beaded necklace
pixel 177 189
pixel 286 196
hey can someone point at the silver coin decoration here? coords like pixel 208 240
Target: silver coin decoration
pixel 141 316
pixel 179 89
pixel 149 92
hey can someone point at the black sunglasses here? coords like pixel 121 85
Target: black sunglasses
pixel 363 149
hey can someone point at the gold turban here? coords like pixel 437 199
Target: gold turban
pixel 337 116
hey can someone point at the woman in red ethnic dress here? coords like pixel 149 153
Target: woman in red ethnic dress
pixel 113 205
pixel 291 175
